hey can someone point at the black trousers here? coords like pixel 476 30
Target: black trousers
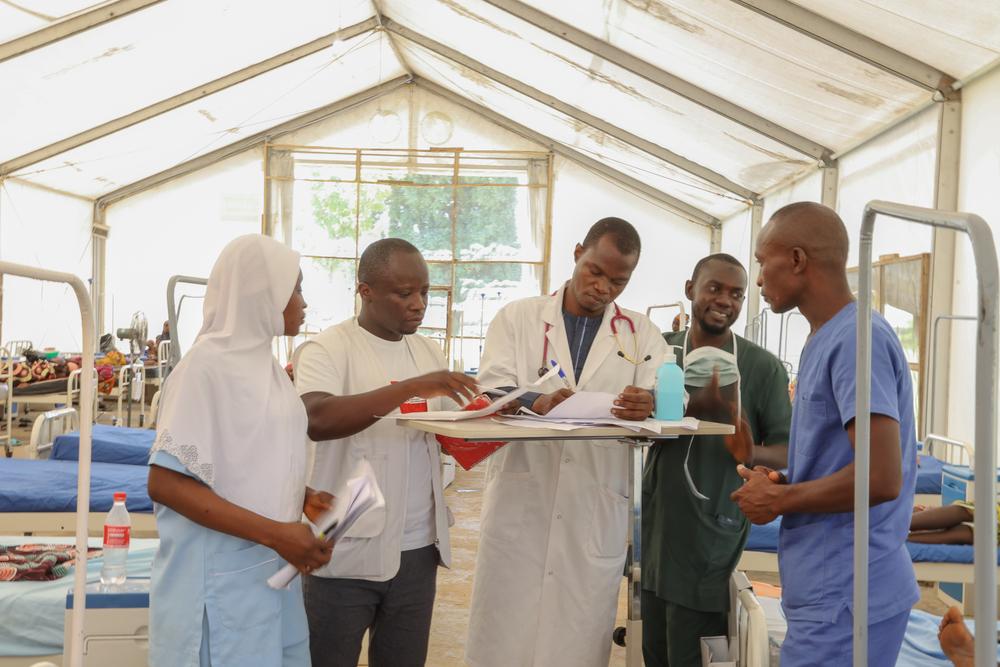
pixel 397 611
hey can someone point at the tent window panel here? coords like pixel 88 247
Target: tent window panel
pixel 480 219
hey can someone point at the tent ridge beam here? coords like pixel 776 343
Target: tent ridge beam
pixel 680 207
pixel 71 25
pixel 219 154
pixel 380 19
pixel 577 114
pixel 650 72
pixel 171 103
pixel 853 43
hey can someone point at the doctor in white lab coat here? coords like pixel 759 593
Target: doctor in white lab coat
pixel 555 514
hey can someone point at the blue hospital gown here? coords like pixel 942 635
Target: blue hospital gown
pixel 815 551
pixel 210 603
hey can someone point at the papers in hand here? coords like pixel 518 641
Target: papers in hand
pixel 459 415
pixel 359 495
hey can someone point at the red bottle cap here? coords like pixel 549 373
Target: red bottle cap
pixel 119 496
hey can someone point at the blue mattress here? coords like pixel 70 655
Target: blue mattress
pixel 765 538
pixel 35 611
pixel 31 485
pixel 929 475
pixel 110 444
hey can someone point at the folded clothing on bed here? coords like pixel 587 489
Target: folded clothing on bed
pixel 32 485
pixel 109 444
pixel 38 562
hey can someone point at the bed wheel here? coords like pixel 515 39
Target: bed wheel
pixel 618 636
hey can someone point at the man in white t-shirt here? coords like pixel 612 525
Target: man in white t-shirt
pixel 382 575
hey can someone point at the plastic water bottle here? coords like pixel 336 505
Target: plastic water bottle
pixel 669 389
pixel 117 533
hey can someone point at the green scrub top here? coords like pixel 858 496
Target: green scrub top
pixel 690 547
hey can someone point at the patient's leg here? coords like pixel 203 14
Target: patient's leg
pixel 955 535
pixel 956 640
pixel 937 518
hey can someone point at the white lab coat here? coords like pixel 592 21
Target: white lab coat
pixel 555 514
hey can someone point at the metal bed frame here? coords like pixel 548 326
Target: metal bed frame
pixel 932 369
pixel 172 314
pixel 985 527
pixel 75 648
pixel 676 304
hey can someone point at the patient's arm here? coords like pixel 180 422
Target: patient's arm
pixel 939 518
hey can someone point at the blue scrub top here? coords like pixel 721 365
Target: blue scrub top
pixel 209 600
pixel 815 551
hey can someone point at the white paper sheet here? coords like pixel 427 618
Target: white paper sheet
pixel 584 405
pixel 461 415
pixel 358 496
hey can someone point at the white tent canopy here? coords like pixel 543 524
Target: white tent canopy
pixel 710 102
pixel 707 111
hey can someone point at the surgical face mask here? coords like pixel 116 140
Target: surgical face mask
pixel 699 367
pixel 701 364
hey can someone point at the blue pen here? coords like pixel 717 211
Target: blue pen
pixel 562 375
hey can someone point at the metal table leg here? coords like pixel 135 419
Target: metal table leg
pixel 633 625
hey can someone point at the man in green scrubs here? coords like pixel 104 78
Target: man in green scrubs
pixel 691 544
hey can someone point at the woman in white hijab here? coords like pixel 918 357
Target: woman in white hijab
pixel 228 474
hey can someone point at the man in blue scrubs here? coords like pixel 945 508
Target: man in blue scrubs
pixel 802 254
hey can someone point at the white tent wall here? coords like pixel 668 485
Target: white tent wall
pixel 736 242
pixel 49 230
pixel 979 175
pixel 177 228
pixel 736 233
pixel 670 244
pixel 353 128
pixel 897 166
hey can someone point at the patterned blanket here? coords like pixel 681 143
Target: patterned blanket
pixel 38 562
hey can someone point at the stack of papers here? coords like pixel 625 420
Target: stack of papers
pixel 571 424
pixel 359 496
pixel 460 415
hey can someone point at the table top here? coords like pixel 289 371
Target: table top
pixel 487 429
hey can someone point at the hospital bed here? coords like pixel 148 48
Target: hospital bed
pixel 111 444
pixel 935 452
pixel 39 496
pixel 17 348
pixel 931 562
pixel 130 388
pixel 35 615
pixel 747 642
pixel 53 393
pixel 920 643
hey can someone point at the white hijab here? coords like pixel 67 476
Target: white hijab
pixel 229 413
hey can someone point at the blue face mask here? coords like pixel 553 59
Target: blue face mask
pixel 699 367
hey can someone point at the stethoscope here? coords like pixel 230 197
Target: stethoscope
pixel 618 316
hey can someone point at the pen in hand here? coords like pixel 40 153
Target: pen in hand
pixel 562 375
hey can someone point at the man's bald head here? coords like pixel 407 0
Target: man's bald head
pixel 802 252
pixel 815 228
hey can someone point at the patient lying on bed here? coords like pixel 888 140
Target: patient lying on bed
pixel 951 524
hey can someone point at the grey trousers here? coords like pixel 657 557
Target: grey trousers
pixel 397 611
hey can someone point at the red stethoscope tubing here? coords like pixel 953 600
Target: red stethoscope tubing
pixel 619 315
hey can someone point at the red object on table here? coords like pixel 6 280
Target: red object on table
pixel 466 453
